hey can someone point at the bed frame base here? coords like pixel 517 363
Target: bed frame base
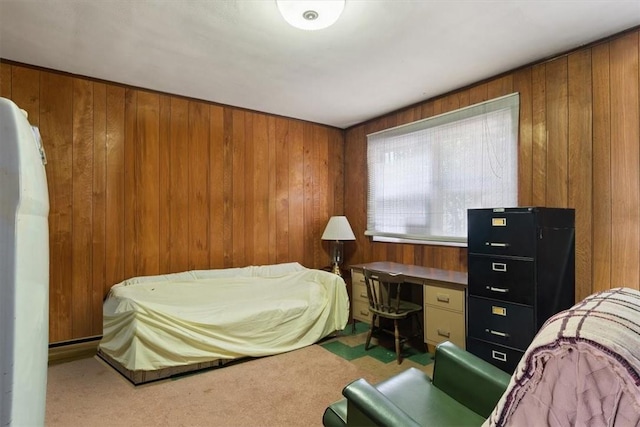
pixel 143 377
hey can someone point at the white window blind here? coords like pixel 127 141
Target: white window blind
pixel 423 176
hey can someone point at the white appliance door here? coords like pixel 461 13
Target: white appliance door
pixel 24 271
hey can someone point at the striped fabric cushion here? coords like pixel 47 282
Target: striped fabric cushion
pixel 582 368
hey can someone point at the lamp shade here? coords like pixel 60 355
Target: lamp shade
pixel 310 14
pixel 338 228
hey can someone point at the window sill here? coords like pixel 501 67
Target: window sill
pixel 386 239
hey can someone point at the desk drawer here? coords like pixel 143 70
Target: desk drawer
pixel 359 301
pixel 442 325
pixel 500 322
pixel 451 299
pixel 359 292
pixel 361 311
pixel 357 277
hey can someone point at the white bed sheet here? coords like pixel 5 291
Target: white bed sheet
pixel 180 319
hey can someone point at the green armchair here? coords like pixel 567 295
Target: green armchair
pixel 463 392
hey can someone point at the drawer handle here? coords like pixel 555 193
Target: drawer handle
pixel 498 355
pixel 364 313
pixel 498 333
pixel 497 244
pixel 363 295
pixel 499 266
pixel 442 298
pixel 445 334
pixel 501 290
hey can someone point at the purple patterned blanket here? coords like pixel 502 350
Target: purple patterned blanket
pixel 582 368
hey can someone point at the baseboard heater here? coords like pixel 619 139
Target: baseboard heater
pixel 66 351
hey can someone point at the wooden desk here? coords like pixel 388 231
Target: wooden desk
pixel 444 298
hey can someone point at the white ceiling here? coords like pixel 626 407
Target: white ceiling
pixel 381 55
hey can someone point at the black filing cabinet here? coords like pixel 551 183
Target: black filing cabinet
pixel 521 265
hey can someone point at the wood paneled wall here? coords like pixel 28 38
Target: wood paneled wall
pixel 145 183
pixel 142 183
pixel 579 148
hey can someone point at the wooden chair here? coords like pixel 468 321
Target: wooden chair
pixel 383 292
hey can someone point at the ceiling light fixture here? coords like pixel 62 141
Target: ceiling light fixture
pixel 311 14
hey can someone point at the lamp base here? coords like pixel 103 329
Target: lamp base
pixel 336 256
pixel 335 269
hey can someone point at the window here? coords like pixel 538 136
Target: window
pixel 423 176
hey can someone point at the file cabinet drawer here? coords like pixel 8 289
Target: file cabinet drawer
pixel 502 357
pixel 510 233
pixel 500 322
pixel 505 279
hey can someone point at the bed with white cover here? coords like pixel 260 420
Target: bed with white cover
pixel 158 326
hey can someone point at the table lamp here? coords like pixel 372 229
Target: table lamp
pixel 337 231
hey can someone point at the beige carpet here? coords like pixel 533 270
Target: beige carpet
pixel 290 389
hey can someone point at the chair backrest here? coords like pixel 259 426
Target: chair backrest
pixel 383 291
pixel 476 384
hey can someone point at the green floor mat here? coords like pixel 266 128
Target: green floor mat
pixel 377 352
